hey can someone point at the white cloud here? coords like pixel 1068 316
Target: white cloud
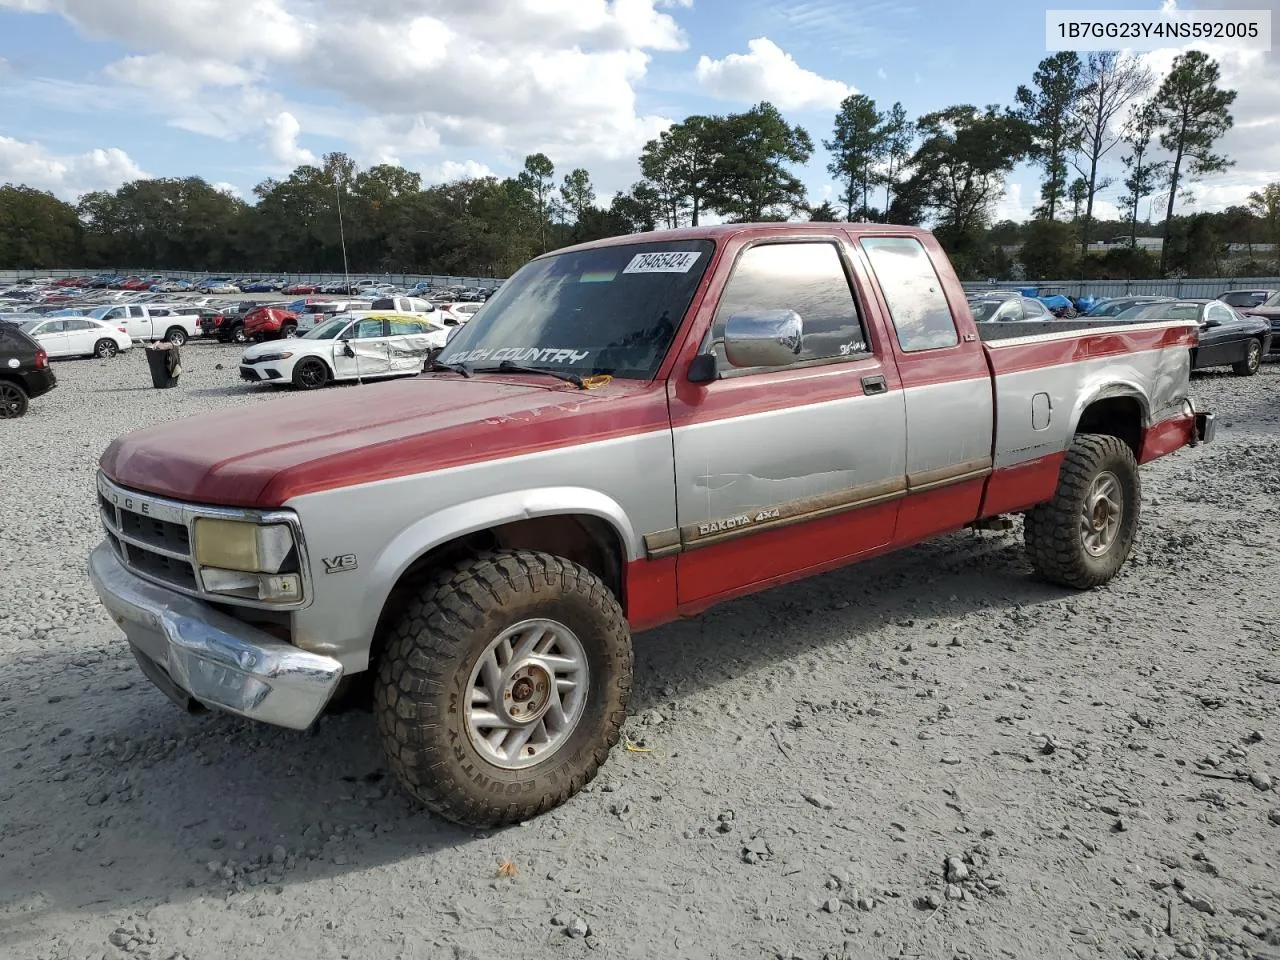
pixel 65 176
pixel 767 72
pixel 1011 206
pixel 402 80
pixel 452 170
pixel 228 188
pixel 282 140
pixel 881 74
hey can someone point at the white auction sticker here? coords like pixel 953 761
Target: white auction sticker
pixel 673 262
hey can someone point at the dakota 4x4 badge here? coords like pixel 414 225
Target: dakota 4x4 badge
pixel 339 564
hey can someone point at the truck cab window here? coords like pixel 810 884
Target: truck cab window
pixel 808 278
pixel 917 305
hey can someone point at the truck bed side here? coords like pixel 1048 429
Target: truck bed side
pixel 1055 379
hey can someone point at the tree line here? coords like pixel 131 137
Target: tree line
pixel 946 169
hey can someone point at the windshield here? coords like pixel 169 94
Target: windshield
pixel 1161 311
pixel 1273 300
pixel 327 330
pixel 29 326
pixel 983 310
pixel 608 310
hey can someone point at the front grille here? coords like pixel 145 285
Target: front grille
pixel 155 546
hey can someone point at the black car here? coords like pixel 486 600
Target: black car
pixel 1243 299
pixel 1117 306
pixel 1227 339
pixel 24 372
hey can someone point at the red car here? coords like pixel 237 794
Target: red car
pixel 270 323
pixel 302 288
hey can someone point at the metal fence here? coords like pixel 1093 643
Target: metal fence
pixel 400 279
pixel 1192 288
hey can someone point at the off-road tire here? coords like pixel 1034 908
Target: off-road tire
pixel 425 669
pixel 176 335
pixel 1252 361
pixel 311 373
pixel 1053 531
pixel 105 348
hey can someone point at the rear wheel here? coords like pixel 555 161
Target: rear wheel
pixel 177 336
pixel 504 686
pixel 105 348
pixel 238 335
pixel 1084 534
pixel 310 374
pixel 13 400
pixel 288 330
pixel 1252 361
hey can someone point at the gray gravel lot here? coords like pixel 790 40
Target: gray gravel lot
pixel 928 755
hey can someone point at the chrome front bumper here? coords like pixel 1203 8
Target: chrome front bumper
pixel 189 649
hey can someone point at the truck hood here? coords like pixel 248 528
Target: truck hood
pixel 264 455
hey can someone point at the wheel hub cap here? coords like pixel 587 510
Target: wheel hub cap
pixel 528 692
pixel 1102 513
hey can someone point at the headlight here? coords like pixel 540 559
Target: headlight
pixel 268 357
pixel 254 561
pixel 237 545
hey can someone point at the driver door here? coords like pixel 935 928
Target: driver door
pixel 362 352
pixel 52 337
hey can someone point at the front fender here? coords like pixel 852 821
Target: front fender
pixel 440 527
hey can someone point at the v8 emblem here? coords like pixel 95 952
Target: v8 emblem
pixel 339 564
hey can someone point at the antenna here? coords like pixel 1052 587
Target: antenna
pixel 342 234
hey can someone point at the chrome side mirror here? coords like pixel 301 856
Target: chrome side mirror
pixel 767 339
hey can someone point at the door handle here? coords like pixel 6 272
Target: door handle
pixel 874 384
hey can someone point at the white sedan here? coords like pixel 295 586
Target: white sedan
pixel 78 337
pixel 351 346
pixel 456 314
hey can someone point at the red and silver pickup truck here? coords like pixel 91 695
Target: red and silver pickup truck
pixel 631 431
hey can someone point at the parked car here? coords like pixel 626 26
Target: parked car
pixel 78 336
pixel 263 286
pixel 487 579
pixel 403 305
pixel 24 372
pixel 1000 309
pixel 1227 339
pixel 1243 299
pixel 1118 305
pixel 269 323
pixel 301 288
pixel 359 346
pixel 456 313
pixel 210 320
pixel 144 322
pixel 1268 310
pixel 314 314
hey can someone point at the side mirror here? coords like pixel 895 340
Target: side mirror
pixel 347 349
pixel 769 339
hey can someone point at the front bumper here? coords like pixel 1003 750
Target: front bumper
pixel 192 651
pixel 259 374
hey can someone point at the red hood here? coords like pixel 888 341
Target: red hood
pixel 262 456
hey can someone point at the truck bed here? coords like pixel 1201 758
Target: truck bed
pixel 1031 328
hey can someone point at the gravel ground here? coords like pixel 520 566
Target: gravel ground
pixel 928 755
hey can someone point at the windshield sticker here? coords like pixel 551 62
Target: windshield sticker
pixel 598 276
pixel 674 262
pixel 521 355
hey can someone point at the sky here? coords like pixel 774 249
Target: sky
pixel 94 93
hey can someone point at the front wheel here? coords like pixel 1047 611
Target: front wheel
pixel 105 348
pixel 288 330
pixel 310 374
pixel 1084 534
pixel 504 686
pixel 13 400
pixel 1252 361
pixel 177 336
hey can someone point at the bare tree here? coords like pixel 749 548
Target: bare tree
pixel 1108 83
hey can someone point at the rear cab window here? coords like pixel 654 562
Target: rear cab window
pixel 913 292
pixel 808 277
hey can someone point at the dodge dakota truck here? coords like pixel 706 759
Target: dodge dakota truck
pixel 632 430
